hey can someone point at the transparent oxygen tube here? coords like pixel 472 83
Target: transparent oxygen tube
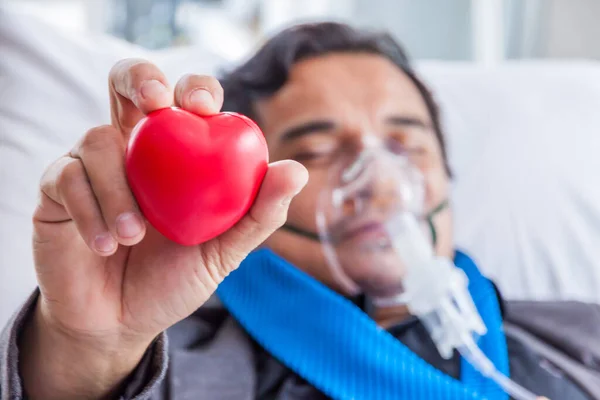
pixel 436 292
pixel 369 222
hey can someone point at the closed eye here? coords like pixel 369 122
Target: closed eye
pixel 305 157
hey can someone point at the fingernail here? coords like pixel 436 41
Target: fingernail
pixel 202 96
pixel 152 88
pixel 104 243
pixel 129 225
pixel 286 200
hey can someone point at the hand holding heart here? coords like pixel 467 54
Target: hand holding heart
pixel 109 281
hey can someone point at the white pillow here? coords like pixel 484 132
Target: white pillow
pixel 524 145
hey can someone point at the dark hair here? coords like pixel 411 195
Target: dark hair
pixel 267 71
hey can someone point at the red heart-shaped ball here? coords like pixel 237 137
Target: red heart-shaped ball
pixel 195 177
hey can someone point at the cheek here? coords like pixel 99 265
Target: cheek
pixel 437 187
pixel 436 178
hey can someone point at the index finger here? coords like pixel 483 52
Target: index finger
pixel 137 87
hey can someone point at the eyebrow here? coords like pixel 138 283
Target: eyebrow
pixel 306 129
pixel 399 120
pixel 324 126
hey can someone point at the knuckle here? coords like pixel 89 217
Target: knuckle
pixel 100 138
pixel 72 174
pixel 49 173
pixel 52 176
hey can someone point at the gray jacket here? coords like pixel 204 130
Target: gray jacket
pixel 209 356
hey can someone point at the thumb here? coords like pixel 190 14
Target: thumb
pixel 283 180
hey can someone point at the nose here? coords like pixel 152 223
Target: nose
pixel 359 148
pixel 369 184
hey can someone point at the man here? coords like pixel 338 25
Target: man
pixel 110 285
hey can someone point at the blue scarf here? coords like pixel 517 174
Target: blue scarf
pixel 331 343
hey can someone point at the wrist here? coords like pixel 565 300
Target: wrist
pixel 58 364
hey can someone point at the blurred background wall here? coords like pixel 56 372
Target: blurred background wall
pixel 485 31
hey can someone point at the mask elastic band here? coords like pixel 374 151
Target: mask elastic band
pixel 299 231
pixel 429 217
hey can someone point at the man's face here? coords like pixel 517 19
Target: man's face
pixel 330 104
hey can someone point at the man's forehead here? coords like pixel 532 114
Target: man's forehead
pixel 329 75
pixel 340 84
